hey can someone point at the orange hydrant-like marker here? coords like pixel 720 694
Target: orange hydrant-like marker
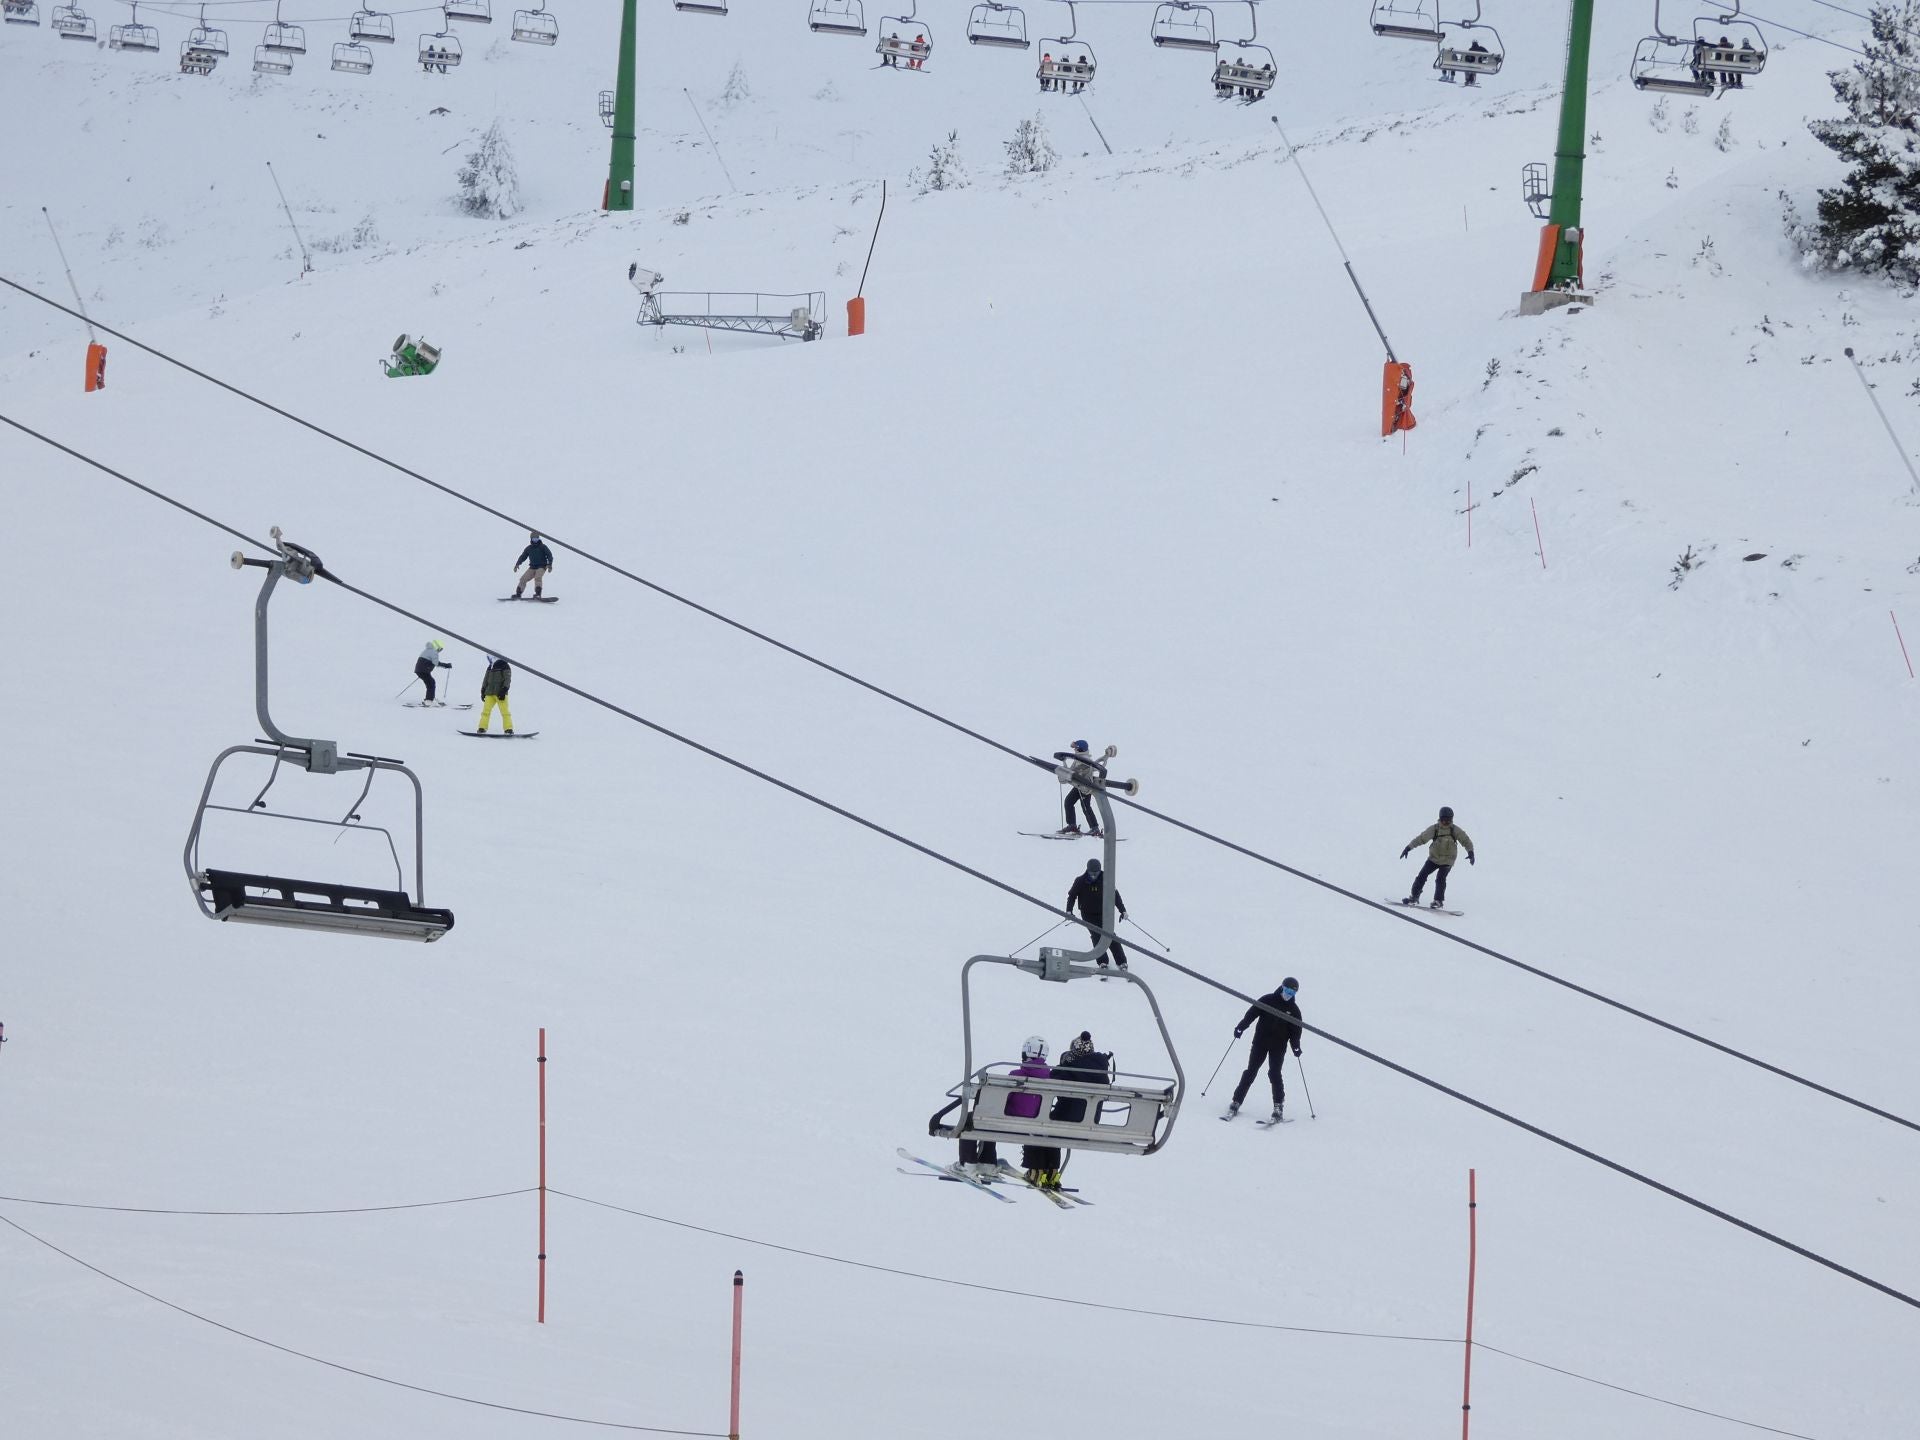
pixel 543 1176
pixel 733 1415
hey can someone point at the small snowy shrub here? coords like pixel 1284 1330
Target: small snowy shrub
pixel 737 87
pixel 1657 117
pixel 1690 122
pixel 1030 152
pixel 1673 179
pixel 489 184
pixel 1723 137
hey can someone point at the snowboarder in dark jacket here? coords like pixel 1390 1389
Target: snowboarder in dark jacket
pixel 1444 841
pixel 493 693
pixel 1087 895
pixel 1272 1036
pixel 538 559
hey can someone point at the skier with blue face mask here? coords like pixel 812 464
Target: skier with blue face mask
pixel 1273 1035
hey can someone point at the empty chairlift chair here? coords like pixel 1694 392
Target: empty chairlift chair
pixel 1182 25
pixel 351 58
pixel 1407 20
pixel 701 7
pixel 70 22
pixel 837 17
pixel 370 27
pixel 536 26
pixel 254 897
pixel 21 12
pixel 271 62
pixel 472 12
pixel 1001 26
pixel 282 38
pixel 1668 65
pixel 209 38
pixel 134 37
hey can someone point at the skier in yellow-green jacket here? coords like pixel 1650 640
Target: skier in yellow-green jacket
pixel 1444 841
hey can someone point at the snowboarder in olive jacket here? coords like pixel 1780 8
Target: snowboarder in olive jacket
pixel 538 559
pixel 493 693
pixel 1444 841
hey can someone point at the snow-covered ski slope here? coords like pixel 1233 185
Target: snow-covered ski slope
pixel 1105 465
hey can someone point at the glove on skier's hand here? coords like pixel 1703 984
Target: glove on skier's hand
pixel 1404 853
pixel 1470 859
pixel 1296 1052
pixel 1238 1031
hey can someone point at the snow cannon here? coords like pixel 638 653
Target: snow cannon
pixel 411 357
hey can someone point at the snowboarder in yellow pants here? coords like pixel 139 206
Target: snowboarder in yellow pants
pixel 493 693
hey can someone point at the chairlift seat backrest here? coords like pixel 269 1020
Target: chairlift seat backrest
pixel 1734 59
pixel 70 22
pixel 352 59
pixel 141 38
pixel 207 38
pixel 474 12
pixel 271 62
pixel 837 17
pixel 1122 1118
pixel 1455 61
pixel 1003 26
pixel 284 39
pixel 310 905
pixel 194 60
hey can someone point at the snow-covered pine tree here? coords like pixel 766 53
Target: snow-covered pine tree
pixel 1030 152
pixel 1872 221
pixel 489 184
pixel 737 88
pixel 945 169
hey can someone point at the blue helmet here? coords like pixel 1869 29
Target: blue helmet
pixel 1080 747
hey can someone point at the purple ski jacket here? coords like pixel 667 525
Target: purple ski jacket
pixel 1027 1107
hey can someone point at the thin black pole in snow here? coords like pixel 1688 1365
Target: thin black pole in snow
pixel 1867 384
pixel 1378 329
pixel 306 261
pixel 1096 124
pixel 873 242
pixel 710 140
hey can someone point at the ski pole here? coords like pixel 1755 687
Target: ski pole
pixel 1304 1088
pixel 1216 1069
pixel 1148 933
pixel 1043 934
pixel 408 686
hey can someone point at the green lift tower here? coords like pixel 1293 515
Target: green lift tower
pixel 619 191
pixel 1557 273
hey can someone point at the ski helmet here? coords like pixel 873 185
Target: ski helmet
pixel 1080 747
pixel 438 644
pixel 1034 1047
pixel 1446 812
pixel 533 534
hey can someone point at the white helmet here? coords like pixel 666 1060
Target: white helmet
pixel 1034 1047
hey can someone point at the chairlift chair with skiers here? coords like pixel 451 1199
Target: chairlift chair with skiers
pixel 1134 1115
pixel 1067 60
pixel 281 38
pixel 439 51
pixel 905 42
pixel 133 36
pixel 536 26
pixel 701 7
pixel 300 903
pixel 1407 20
pixel 70 22
pixel 21 12
pixel 196 60
pixel 837 17
pixel 473 12
pixel 1464 49
pixel 1731 47
pixel 1247 71
pixel 1183 25
pixel 1001 26
pixel 1671 64
pixel 370 27
pixel 352 58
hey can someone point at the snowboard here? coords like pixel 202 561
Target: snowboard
pixel 1056 835
pixel 501 734
pixel 1422 905
pixel 533 599
pixel 433 705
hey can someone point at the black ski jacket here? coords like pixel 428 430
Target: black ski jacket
pixel 1093 1068
pixel 1085 896
pixel 497 681
pixel 1273 1032
pixel 535 557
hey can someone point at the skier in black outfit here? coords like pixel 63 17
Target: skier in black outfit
pixel 1087 895
pixel 538 559
pixel 428 662
pixel 1271 1038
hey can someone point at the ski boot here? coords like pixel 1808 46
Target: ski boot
pixel 1232 1110
pixel 1437 905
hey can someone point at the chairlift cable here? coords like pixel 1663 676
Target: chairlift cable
pixel 269 1214
pixel 1395 911
pixel 337 1365
pixel 1008 888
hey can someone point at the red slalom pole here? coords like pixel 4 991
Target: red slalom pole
pixel 543 1175
pixel 1473 1260
pixel 733 1414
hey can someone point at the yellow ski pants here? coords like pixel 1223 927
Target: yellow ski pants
pixel 486 712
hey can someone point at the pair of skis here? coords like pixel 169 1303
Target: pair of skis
pixel 433 705
pixel 1265 1124
pixel 1065 1199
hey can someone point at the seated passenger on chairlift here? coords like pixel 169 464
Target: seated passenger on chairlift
pixel 1042 1163
pixel 1732 78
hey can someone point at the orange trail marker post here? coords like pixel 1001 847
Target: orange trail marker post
pixel 733 1413
pixel 542 1317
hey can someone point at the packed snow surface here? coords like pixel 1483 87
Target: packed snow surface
pixel 1105 465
